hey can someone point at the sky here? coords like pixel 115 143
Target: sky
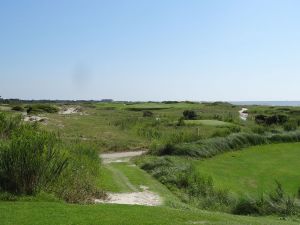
pixel 142 50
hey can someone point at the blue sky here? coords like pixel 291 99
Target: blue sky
pixel 150 49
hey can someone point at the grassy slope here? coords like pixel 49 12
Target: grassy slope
pixel 255 169
pixel 125 177
pixel 44 213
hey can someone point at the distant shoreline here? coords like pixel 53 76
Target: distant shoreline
pixel 267 103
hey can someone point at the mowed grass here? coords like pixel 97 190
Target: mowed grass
pixel 48 213
pixel 255 169
pixel 215 123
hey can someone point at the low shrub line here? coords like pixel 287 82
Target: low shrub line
pixel 191 187
pixel 213 146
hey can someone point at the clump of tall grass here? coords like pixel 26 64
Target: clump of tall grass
pixel 8 124
pixel 213 146
pixel 33 160
pixel 29 161
pixel 41 108
pixel 276 202
pixel 79 181
pixel 187 183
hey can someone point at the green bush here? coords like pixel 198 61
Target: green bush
pixel 185 181
pixel 246 206
pixel 41 108
pixel 213 146
pixel 33 160
pixel 290 126
pixel 18 108
pixel 30 161
pixel 276 202
pixel 180 122
pixel 8 124
pixel 147 113
pixel 78 182
pixel 189 115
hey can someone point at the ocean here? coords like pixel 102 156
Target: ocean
pixel 268 103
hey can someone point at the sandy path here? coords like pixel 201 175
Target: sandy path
pixel 119 156
pixel 123 179
pixel 243 113
pixel 144 197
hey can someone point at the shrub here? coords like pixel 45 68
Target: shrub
pixel 260 119
pixel 213 146
pixel 180 122
pixel 41 108
pixel 147 113
pixel 270 120
pixel 189 114
pixel 276 202
pixel 246 206
pixel 18 108
pixel 30 161
pixel 258 129
pixel 290 126
pixel 78 182
pixel 187 183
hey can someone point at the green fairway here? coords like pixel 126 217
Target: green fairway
pixel 46 213
pixel 207 122
pixel 254 170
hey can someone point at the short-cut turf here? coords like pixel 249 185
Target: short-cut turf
pixel 48 213
pixel 254 170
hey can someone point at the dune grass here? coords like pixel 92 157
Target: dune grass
pixel 46 213
pixel 216 123
pixel 255 169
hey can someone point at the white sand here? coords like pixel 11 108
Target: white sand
pixel 71 110
pixel 243 113
pixel 144 197
pixel 35 119
pixel 119 156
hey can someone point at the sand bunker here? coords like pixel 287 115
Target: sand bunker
pixel 71 110
pixel 35 119
pixel 144 197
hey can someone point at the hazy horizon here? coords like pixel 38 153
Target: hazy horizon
pixel 150 50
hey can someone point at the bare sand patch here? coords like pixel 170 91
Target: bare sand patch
pixel 244 113
pixel 71 110
pixel 144 197
pixel 120 156
pixel 33 118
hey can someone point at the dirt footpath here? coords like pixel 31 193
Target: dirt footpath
pixel 144 197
